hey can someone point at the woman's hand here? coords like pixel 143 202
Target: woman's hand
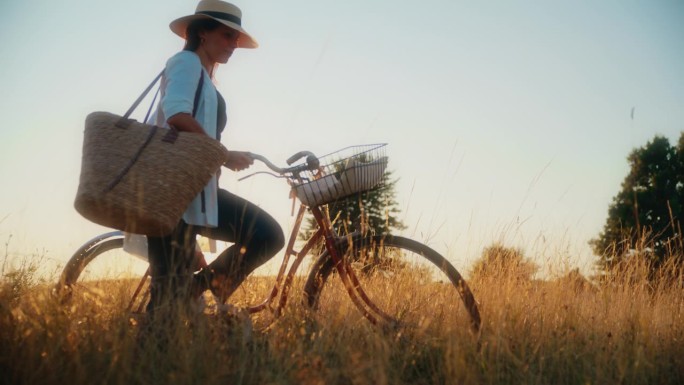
pixel 238 160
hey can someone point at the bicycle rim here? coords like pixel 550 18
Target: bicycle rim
pixel 103 274
pixel 406 283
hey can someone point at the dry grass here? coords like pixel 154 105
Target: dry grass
pixel 628 331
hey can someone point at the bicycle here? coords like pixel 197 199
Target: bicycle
pixel 392 280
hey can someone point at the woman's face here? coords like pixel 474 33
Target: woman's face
pixel 220 43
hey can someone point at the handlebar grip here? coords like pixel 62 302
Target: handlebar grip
pixel 312 161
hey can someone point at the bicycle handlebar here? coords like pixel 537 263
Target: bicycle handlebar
pixel 298 156
pixel 311 163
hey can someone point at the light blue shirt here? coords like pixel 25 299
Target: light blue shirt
pixel 178 87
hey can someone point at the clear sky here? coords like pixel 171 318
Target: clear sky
pixel 506 121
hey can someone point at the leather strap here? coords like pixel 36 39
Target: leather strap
pixel 125 122
pixel 142 96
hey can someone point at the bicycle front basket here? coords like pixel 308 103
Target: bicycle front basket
pixel 343 173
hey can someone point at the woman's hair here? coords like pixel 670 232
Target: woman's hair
pixel 192 33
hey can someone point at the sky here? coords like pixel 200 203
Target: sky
pixel 506 121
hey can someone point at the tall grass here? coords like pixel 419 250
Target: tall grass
pixel 627 330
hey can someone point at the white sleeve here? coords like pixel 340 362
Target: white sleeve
pixel 182 74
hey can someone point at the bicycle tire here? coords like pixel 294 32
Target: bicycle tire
pixel 416 287
pixel 101 268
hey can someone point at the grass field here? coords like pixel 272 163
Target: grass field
pixel 622 331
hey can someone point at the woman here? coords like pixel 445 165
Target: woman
pixel 190 102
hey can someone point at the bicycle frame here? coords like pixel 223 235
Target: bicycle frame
pixel 333 245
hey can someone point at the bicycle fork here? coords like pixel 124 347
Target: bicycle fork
pixel 339 247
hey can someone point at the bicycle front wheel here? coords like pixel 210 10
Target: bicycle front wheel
pixel 398 281
pixel 102 273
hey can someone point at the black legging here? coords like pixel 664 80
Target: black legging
pixel 255 235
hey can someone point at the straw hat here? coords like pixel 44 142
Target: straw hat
pixel 221 11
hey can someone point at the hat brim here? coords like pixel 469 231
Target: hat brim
pixel 180 25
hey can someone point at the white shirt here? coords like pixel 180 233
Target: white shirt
pixel 178 87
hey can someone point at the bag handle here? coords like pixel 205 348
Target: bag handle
pixel 142 96
pixel 125 122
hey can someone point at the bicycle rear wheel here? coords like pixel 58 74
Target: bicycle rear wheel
pixel 101 272
pixel 405 283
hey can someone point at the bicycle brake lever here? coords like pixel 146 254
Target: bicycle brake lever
pixel 312 162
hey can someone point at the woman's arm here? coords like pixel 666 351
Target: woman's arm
pixel 185 122
pixel 182 76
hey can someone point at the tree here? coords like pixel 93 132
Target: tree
pixel 377 210
pixel 644 217
pixel 498 261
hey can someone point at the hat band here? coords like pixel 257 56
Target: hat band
pixel 223 16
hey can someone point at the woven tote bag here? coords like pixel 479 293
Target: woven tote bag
pixel 140 178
